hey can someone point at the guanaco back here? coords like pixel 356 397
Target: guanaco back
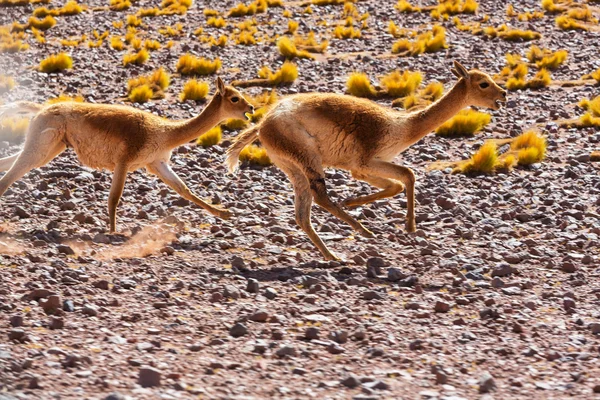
pixel 307 132
pixel 116 138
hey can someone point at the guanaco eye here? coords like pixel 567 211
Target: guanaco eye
pixel 235 99
pixel 483 85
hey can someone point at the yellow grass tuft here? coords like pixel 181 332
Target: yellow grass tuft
pixel 287 48
pixel 288 73
pixel 588 120
pixel 133 20
pixel 567 23
pixel 592 106
pixel 190 65
pixel 7 84
pixel 404 6
pixel 433 91
pixel 359 85
pixel 551 7
pixel 540 80
pixel 398 84
pixel 553 60
pixel 210 138
pixel 452 7
pixel 346 32
pixel 309 43
pixel 157 82
pixel 216 22
pixel 151 45
pixel 530 148
pixel 138 58
pixel 62 98
pixel 209 12
pixel 119 5
pixel 427 42
pixel 253 154
pixel 41 24
pixel 256 7
pixel 483 161
pixel 595 75
pixel 465 123
pixel 13 130
pixel 292 27
pixel 141 94
pixel 56 63
pixel 194 90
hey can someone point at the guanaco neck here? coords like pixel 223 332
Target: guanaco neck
pixel 422 122
pixel 188 130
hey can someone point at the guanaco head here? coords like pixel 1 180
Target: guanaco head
pixel 233 103
pixel 482 91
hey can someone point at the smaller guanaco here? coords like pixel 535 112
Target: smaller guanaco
pixel 116 138
pixel 305 133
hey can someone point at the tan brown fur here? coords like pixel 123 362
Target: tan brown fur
pixel 116 138
pixel 307 132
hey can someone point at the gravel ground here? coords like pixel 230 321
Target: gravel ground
pixel 496 295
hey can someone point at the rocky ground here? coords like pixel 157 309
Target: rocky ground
pixel 496 295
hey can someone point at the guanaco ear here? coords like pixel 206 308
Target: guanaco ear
pixel 460 71
pixel 220 85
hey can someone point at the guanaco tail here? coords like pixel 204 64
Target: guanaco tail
pixel 307 132
pixel 116 138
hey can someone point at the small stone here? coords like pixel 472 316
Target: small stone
pixel 238 330
pixel 288 350
pixel 51 304
pixel 568 267
pixel 115 396
pixel 597 389
pixel 311 333
pixel 442 306
pixel 299 371
pixel 64 249
pixel 16 321
pixel 102 284
pixel 503 270
pixel 149 377
pixel 231 292
pixel 90 310
pixel 371 295
pixel 350 382
pixel 259 316
pixel 394 275
pixel 17 334
pixel 68 306
pixel 270 293
pixel 335 348
pixel 253 286
pixel 56 323
pixel 486 383
pixel 595 328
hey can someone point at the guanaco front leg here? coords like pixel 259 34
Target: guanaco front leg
pixel 116 191
pixel 166 174
pixel 403 174
pixel 390 189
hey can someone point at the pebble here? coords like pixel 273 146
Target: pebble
pixel 56 323
pixel 351 381
pixel 287 350
pixel 486 383
pixel 16 320
pixel 312 333
pixel 238 330
pixel 442 306
pixel 260 316
pixel 252 286
pixel 270 293
pixel 149 377
pixel 90 310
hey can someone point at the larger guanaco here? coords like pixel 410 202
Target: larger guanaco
pixel 116 138
pixel 305 133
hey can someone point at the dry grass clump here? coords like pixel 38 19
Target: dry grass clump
pixel 138 58
pixel 540 80
pixel 292 27
pixel 512 35
pixel 56 63
pixel 359 85
pixel 285 75
pixel 146 87
pixel 71 7
pixel 151 45
pixel 148 12
pixel 404 6
pixel 427 42
pixel 433 91
pixel 63 98
pixel 7 84
pixel 544 58
pixel 256 7
pixel 529 147
pixel 119 5
pixel 551 7
pixel 210 138
pixel 191 65
pixel 287 48
pixel 445 8
pixel 140 94
pixel 465 123
pixel 253 154
pixel 13 130
pixel 595 75
pixel 172 31
pixel 194 90
pixel 288 73
pixel 483 161
pixel 593 106
pixel 346 32
pixel 309 43
pixel 172 7
pixel 12 42
pixel 216 22
pixel 567 23
pixel 398 84
pixel 13 3
pixel 209 12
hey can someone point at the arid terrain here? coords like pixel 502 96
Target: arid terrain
pixel 496 295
